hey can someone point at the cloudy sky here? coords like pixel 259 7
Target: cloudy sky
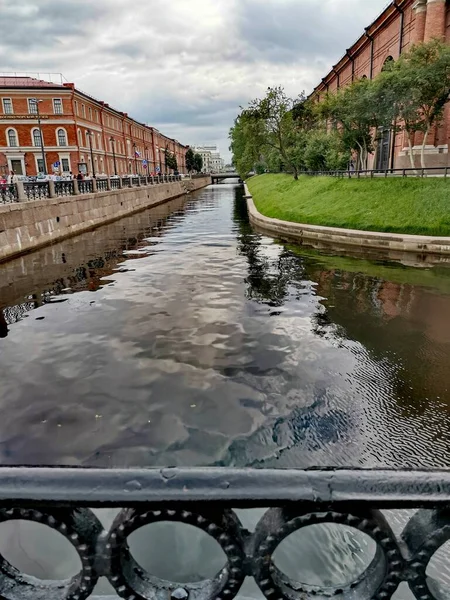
pixel 184 66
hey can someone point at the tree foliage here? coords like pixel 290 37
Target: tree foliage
pixel 190 160
pixel 198 162
pixel 170 160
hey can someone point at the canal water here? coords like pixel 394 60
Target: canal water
pixel 181 336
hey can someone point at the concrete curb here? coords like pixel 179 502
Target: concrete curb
pixel 300 232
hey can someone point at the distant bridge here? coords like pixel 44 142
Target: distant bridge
pixel 219 177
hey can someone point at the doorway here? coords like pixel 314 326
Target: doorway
pixel 383 153
pixel 16 166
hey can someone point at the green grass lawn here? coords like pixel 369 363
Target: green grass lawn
pixel 410 205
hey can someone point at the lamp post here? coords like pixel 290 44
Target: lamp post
pixel 146 160
pixel 135 158
pixel 90 134
pixel 113 141
pixel 36 102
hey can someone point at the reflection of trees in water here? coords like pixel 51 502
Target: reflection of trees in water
pixel 269 281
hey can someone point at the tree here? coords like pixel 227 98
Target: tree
pixel 190 160
pixel 269 124
pixel 416 89
pixel 198 162
pixel 356 113
pixel 170 160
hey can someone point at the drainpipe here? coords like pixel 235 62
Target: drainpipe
pixel 402 25
pixel 370 38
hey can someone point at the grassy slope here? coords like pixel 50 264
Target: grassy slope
pixel 412 205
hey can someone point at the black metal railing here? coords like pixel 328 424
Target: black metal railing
pixel 371 173
pixel 8 193
pixel 102 185
pixel 63 499
pixel 86 186
pixel 64 188
pixel 36 190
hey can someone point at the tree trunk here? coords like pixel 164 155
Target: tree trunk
pixel 422 150
pixel 411 155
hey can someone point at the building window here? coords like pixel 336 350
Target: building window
pixel 76 107
pixel 40 165
pixel 80 138
pixel 90 113
pixel 36 137
pixel 99 142
pixel 57 106
pixel 83 110
pixel 32 107
pixel 65 165
pixel 96 115
pixel 7 106
pixel 62 137
pixel 12 138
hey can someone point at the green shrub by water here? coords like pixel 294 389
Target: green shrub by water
pixel 411 205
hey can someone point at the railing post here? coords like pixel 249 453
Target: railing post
pixel 76 189
pixel 21 196
pixel 51 189
pixel 94 185
pixel 120 183
pixel 108 183
pixel 445 172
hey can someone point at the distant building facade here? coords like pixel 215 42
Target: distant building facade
pixel 212 161
pixel 402 24
pixel 79 133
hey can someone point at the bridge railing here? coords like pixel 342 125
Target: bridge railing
pixel 24 191
pixel 207 499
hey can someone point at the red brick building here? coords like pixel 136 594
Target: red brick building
pixel 401 24
pixel 78 131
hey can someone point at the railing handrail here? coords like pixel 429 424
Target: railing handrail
pixel 93 487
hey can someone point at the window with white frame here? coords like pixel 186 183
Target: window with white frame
pixel 62 137
pixel 40 165
pixel 90 113
pixel 76 108
pixel 7 106
pixel 83 111
pixel 12 138
pixel 36 137
pixel 99 142
pixel 57 106
pixel 32 106
pixel 80 138
pixel 65 165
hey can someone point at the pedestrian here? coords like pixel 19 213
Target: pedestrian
pixel 80 176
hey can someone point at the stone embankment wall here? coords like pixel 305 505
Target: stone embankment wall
pixel 25 226
pixel 350 238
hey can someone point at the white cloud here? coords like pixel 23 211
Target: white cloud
pixel 185 67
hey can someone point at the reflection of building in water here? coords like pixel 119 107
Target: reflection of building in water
pixel 80 263
pixel 393 320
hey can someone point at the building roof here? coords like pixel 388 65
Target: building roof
pixel 12 81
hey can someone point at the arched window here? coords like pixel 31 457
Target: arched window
pixel 12 138
pixel 80 138
pixel 389 60
pixel 364 77
pixel 36 137
pixel 62 137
